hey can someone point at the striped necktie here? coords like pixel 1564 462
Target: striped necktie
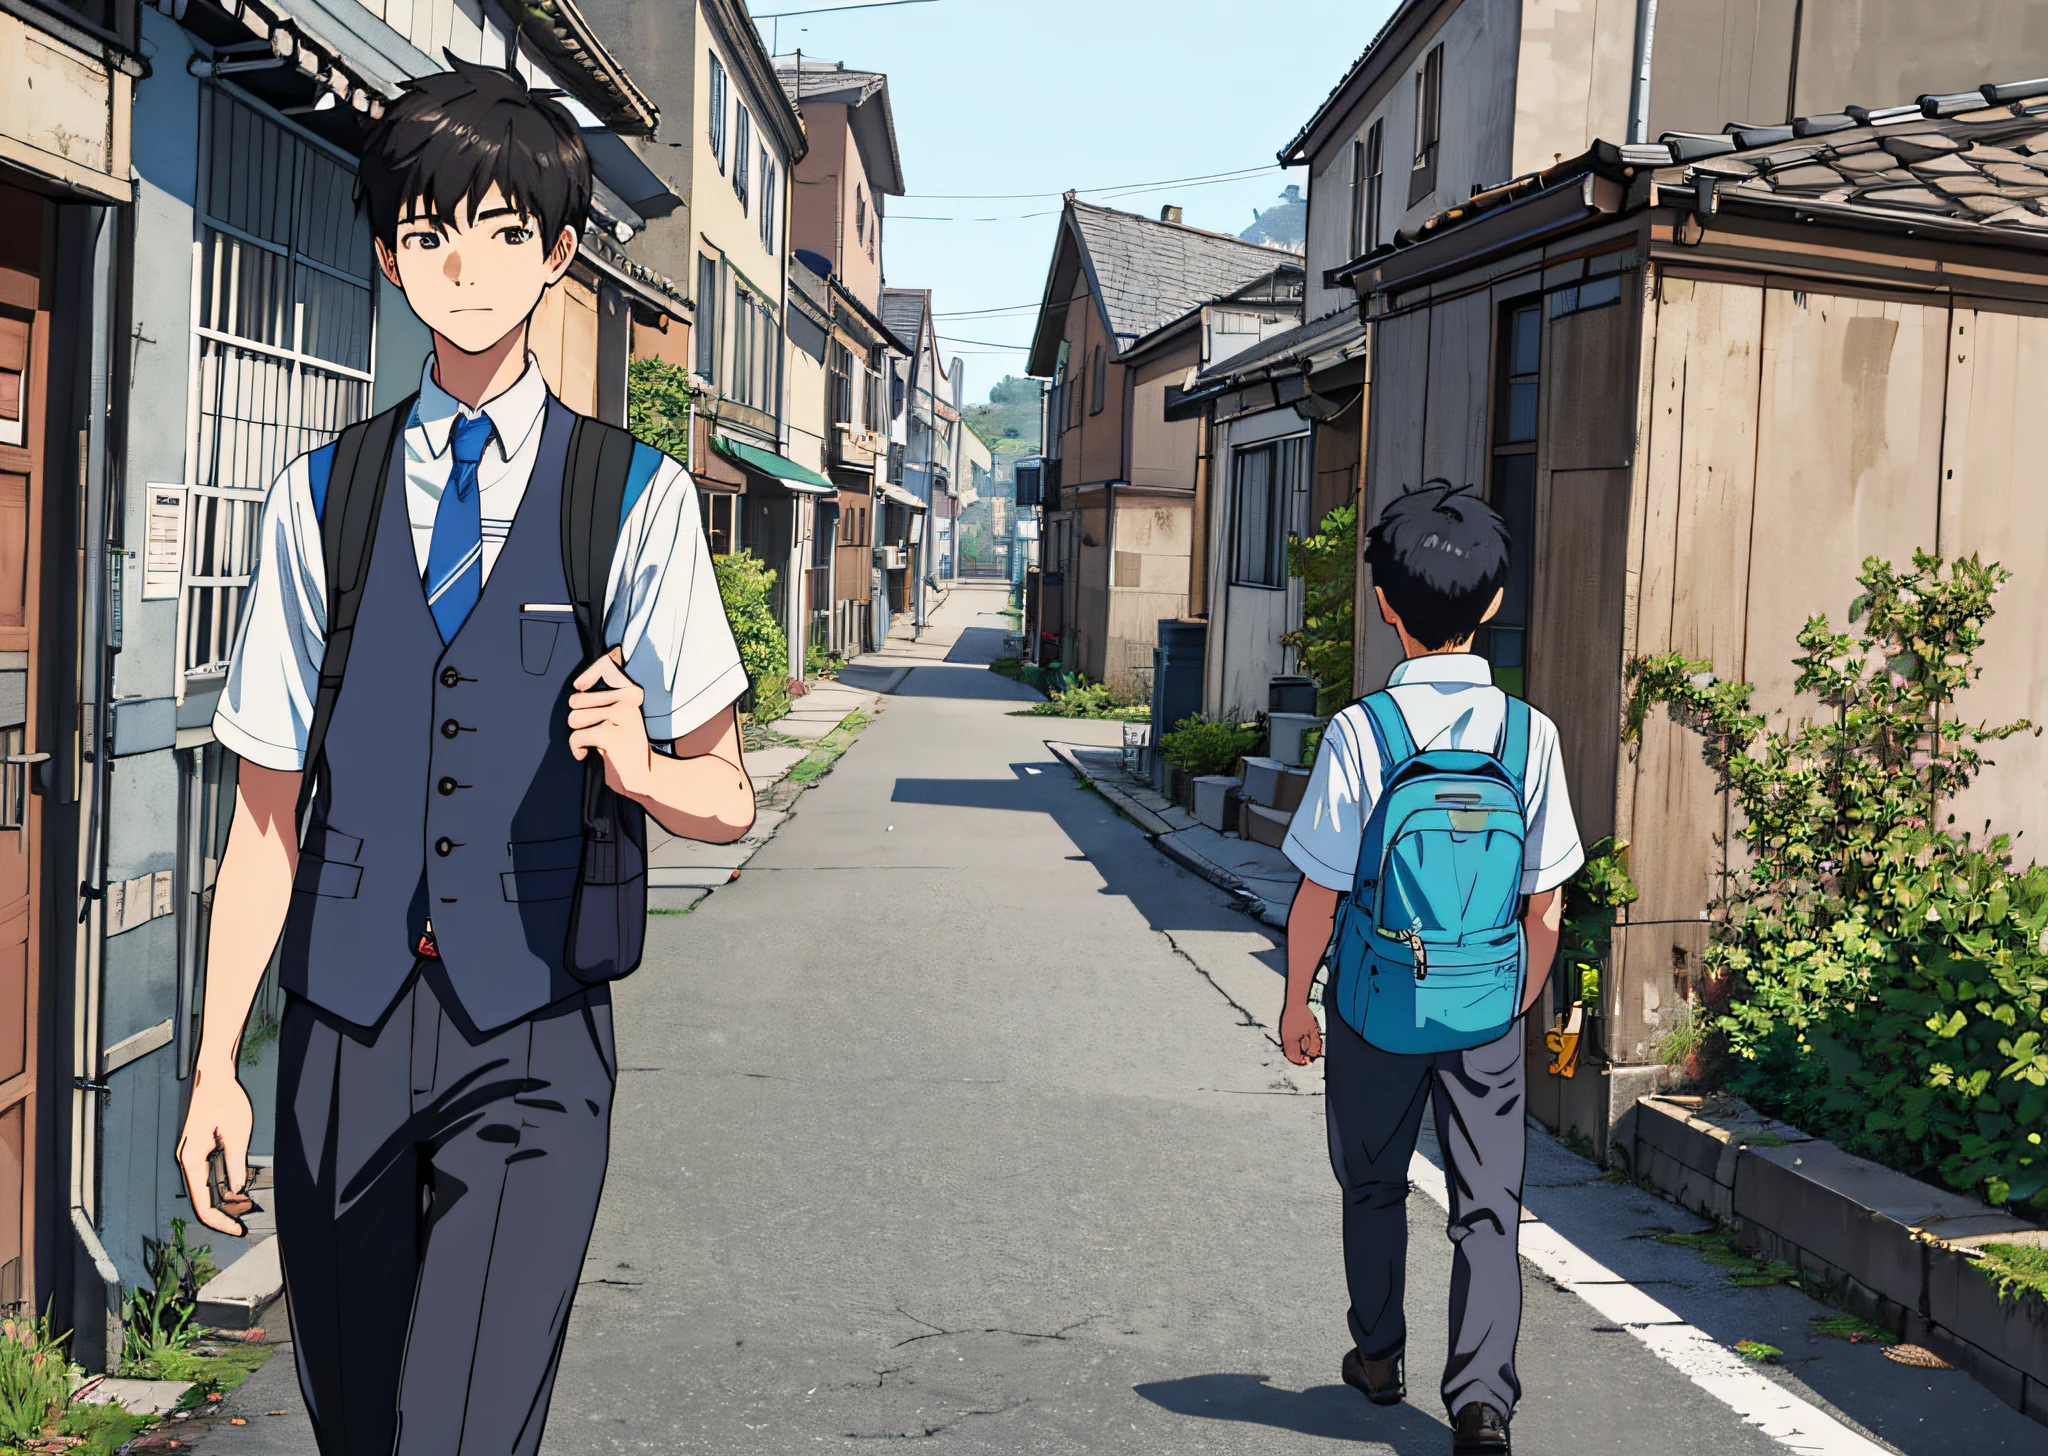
pixel 455 556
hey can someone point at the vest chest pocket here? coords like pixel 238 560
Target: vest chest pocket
pixel 537 634
pixel 328 878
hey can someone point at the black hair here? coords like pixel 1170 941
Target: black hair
pixel 1439 553
pixel 451 135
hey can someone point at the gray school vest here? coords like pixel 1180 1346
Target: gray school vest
pixel 449 795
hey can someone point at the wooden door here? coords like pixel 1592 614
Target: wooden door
pixel 23 357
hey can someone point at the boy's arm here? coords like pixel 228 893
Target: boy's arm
pixel 251 895
pixel 698 790
pixel 1540 925
pixel 1310 921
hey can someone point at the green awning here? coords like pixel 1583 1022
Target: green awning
pixel 767 462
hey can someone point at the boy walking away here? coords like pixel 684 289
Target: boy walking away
pixel 484 640
pixel 1433 839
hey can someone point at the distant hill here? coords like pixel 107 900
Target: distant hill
pixel 1284 225
pixel 1008 423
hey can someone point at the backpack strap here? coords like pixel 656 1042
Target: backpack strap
pixel 348 480
pixel 1396 746
pixel 606 472
pixel 1512 747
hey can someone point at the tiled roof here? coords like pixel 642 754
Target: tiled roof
pixel 1987 164
pixel 1148 272
pixel 903 312
pixel 825 78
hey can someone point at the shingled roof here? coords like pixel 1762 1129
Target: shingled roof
pixel 1141 272
pixel 866 95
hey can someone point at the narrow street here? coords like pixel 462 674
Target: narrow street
pixel 956 1118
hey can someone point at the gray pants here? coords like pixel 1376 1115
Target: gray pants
pixel 1374 1104
pixel 435 1195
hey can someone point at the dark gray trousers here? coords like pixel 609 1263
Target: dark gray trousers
pixel 1374 1104
pixel 435 1195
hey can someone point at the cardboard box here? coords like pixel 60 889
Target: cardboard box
pixel 1262 780
pixel 1216 800
pixel 1266 826
pixel 1284 733
pixel 1288 792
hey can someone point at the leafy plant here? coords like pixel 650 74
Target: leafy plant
pixel 1756 1352
pixel 820 662
pixel 1592 900
pixel 35 1377
pixel 1327 564
pixel 101 1429
pixel 1198 747
pixel 1073 696
pixel 1883 976
pixel 157 1322
pixel 746 585
pixel 2015 1267
pixel 1850 1327
pixel 658 398
pixel 1683 1038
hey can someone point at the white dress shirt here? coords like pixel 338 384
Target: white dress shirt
pixel 661 603
pixel 1448 700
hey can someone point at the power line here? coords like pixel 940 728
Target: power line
pixel 989 343
pixel 1112 196
pixel 979 312
pixel 834 9
pixel 1240 172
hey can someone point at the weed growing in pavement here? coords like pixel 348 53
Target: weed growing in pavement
pixel 101 1430
pixel 829 748
pixel 1757 1352
pixel 157 1323
pixel 1855 1330
pixel 35 1377
pixel 1718 1246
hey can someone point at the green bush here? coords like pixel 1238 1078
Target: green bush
pixel 1592 900
pixel 745 583
pixel 1883 974
pixel 35 1377
pixel 1076 697
pixel 1198 747
pixel 1327 564
pixel 658 406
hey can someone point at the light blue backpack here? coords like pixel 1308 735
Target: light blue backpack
pixel 1428 945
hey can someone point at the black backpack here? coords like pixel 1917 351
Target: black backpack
pixel 608 923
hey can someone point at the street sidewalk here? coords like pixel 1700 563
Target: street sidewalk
pixel 1263 878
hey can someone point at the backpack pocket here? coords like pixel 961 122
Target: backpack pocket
pixel 1468 994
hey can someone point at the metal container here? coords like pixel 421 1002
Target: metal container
pixel 1291 695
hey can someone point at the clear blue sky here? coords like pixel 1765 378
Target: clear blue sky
pixel 1036 96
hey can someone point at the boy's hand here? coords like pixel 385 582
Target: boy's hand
pixel 219 1112
pixel 605 715
pixel 1301 1038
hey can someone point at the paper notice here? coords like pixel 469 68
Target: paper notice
pixel 163 559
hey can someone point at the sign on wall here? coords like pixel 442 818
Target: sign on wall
pixel 163 552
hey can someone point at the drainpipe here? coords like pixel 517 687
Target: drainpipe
pixel 1639 91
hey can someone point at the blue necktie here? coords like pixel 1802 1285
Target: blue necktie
pixel 455 556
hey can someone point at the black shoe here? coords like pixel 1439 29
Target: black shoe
pixel 1479 1430
pixel 1384 1382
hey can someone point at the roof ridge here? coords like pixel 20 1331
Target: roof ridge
pixel 1182 227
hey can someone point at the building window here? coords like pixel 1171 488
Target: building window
pixel 1097 384
pixel 284 328
pixel 767 202
pixel 719 511
pixel 1271 484
pixel 1368 163
pixel 743 144
pixel 707 318
pixel 1429 105
pixel 742 347
pixel 717 109
pixel 839 396
pixel 860 214
pixel 1504 640
pixel 871 392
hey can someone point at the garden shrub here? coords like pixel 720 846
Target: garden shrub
pixel 35 1378
pixel 1199 747
pixel 1592 899
pixel 658 406
pixel 1881 973
pixel 1327 564
pixel 744 585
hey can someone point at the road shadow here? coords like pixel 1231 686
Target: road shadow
pixel 1167 895
pixel 962 680
pixel 1333 1412
pixel 980 645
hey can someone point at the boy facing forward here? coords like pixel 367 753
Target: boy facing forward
pixel 446 1060
pixel 1439 559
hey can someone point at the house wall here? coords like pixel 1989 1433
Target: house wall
pixel 1885 52
pixel 563 335
pixel 1479 117
pixel 1719 61
pixel 1148 580
pixel 1088 585
pixel 1094 450
pixel 830 181
pixel 632 31
pixel 1162 452
pixel 1573 77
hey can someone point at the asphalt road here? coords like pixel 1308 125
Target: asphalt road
pixel 942 1124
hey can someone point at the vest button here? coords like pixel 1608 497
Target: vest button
pixel 444 846
pixel 450 728
pixel 446 786
pixel 450 677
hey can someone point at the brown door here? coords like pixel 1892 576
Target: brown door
pixel 23 355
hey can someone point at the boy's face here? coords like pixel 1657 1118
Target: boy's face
pixel 474 279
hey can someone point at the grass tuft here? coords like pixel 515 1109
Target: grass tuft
pixel 2015 1268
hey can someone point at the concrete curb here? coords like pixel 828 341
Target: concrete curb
pixel 1145 819
pixel 1888 1247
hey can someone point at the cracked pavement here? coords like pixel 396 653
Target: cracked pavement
pixel 956 1121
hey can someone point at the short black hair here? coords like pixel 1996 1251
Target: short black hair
pixel 451 135
pixel 1439 553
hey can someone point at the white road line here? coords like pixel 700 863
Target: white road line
pixel 1794 1423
